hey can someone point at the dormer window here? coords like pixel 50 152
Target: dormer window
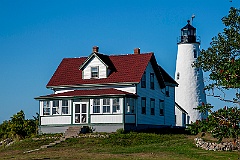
pixel 94 72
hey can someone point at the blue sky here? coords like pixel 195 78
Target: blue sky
pixel 36 35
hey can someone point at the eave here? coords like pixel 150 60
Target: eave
pixel 92 85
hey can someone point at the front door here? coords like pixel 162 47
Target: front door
pixel 80 112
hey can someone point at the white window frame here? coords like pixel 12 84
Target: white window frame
pixel 106 106
pixel 117 105
pixel 113 107
pixel 67 107
pixel 46 106
pixel 95 74
pixel 161 107
pixel 55 107
pixel 97 105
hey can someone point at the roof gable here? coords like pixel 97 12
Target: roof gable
pixel 101 57
pixel 167 78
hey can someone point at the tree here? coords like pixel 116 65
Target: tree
pixel 222 61
pixel 17 124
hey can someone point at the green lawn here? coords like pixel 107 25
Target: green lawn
pixel 117 146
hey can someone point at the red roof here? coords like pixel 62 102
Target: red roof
pixel 128 68
pixel 95 92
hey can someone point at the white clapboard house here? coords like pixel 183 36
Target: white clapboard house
pixel 107 93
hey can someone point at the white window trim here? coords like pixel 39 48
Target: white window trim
pixel 111 106
pixel 94 72
pixel 68 106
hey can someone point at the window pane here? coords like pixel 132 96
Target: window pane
pixel 106 101
pixel 64 102
pixel 64 110
pixel 84 118
pixel 77 118
pixel 106 109
pixel 115 101
pixel 55 103
pixel 96 109
pixel 116 108
pixel 96 102
pixel 84 108
pixel 77 108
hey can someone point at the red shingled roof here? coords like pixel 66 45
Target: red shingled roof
pixel 129 68
pixel 95 92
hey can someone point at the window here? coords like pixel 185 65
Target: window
pixel 46 107
pixel 183 119
pixel 152 80
pixel 64 106
pixel 55 107
pixel 143 104
pixel 94 72
pixel 130 105
pixel 96 106
pixel 167 91
pixel 143 80
pixel 195 53
pixel 178 74
pixel 116 105
pixel 106 105
pixel 161 107
pixel 152 106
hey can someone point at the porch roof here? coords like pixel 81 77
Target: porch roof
pixel 88 93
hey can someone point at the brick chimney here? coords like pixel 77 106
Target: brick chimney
pixel 95 49
pixel 137 51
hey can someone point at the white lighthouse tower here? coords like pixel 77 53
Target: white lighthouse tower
pixel 190 92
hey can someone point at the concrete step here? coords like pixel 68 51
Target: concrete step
pixel 72 131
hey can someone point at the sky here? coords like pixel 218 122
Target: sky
pixel 36 35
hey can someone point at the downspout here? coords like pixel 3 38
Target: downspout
pixel 136 108
pixel 123 121
pixel 39 119
pixel 164 113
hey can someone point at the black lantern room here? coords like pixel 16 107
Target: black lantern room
pixel 188 34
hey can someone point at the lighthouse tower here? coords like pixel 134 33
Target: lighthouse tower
pixel 190 92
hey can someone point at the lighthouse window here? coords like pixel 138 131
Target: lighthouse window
pixel 195 53
pixel 178 74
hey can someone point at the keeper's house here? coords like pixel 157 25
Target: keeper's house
pixel 107 93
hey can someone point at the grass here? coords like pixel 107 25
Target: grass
pixel 117 146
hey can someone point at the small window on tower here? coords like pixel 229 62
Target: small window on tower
pixel 195 53
pixel 178 74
